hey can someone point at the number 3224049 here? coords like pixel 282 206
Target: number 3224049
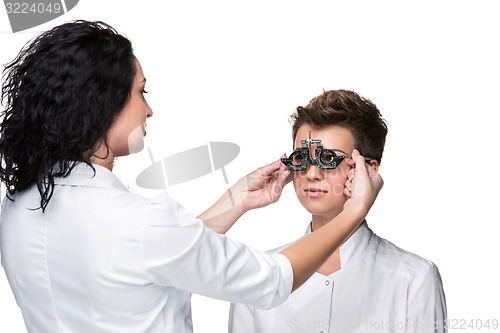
pixel 25 8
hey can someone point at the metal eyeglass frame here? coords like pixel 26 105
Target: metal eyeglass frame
pixel 306 157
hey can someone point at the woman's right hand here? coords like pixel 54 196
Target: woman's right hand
pixel 363 184
pixel 262 186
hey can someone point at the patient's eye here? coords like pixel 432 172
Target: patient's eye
pixel 328 157
pixel 297 159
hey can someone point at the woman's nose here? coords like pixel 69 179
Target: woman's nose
pixel 313 172
pixel 149 112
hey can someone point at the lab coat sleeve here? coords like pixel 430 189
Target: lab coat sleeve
pixel 180 251
pixel 241 319
pixel 426 303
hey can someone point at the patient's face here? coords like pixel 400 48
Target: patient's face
pixel 321 192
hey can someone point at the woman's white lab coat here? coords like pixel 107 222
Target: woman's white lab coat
pixel 101 259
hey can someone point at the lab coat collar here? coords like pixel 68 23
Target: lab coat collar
pixel 83 175
pixel 355 245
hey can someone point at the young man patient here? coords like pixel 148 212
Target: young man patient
pixel 368 284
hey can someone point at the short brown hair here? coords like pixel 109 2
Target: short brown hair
pixel 347 109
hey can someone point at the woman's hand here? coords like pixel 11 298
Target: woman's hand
pixel 362 185
pixel 257 189
pixel 261 187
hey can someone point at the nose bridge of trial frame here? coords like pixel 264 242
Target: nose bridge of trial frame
pixel 308 144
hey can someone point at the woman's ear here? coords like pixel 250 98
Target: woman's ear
pixel 374 164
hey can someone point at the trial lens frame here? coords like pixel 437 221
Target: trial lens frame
pixel 325 158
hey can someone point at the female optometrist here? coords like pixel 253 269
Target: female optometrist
pixel 81 253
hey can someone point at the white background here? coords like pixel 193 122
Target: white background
pixel 234 71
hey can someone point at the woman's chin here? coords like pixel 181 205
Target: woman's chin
pixel 136 141
pixel 320 210
pixel 136 147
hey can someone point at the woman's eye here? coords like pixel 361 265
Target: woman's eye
pixel 328 158
pixel 297 159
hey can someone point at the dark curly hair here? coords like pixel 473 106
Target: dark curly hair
pixel 347 109
pixel 61 95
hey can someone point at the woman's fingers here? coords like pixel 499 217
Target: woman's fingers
pixel 365 183
pixel 272 177
pixel 278 185
pixel 348 183
pixel 269 169
pixel 360 164
pixel 347 190
pixel 350 162
pixel 350 174
pixel 261 177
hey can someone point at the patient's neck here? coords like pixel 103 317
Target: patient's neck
pixel 320 220
pixel 333 263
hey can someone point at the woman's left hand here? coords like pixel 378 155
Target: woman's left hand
pixel 261 187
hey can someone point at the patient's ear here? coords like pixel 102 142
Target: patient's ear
pixel 374 164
